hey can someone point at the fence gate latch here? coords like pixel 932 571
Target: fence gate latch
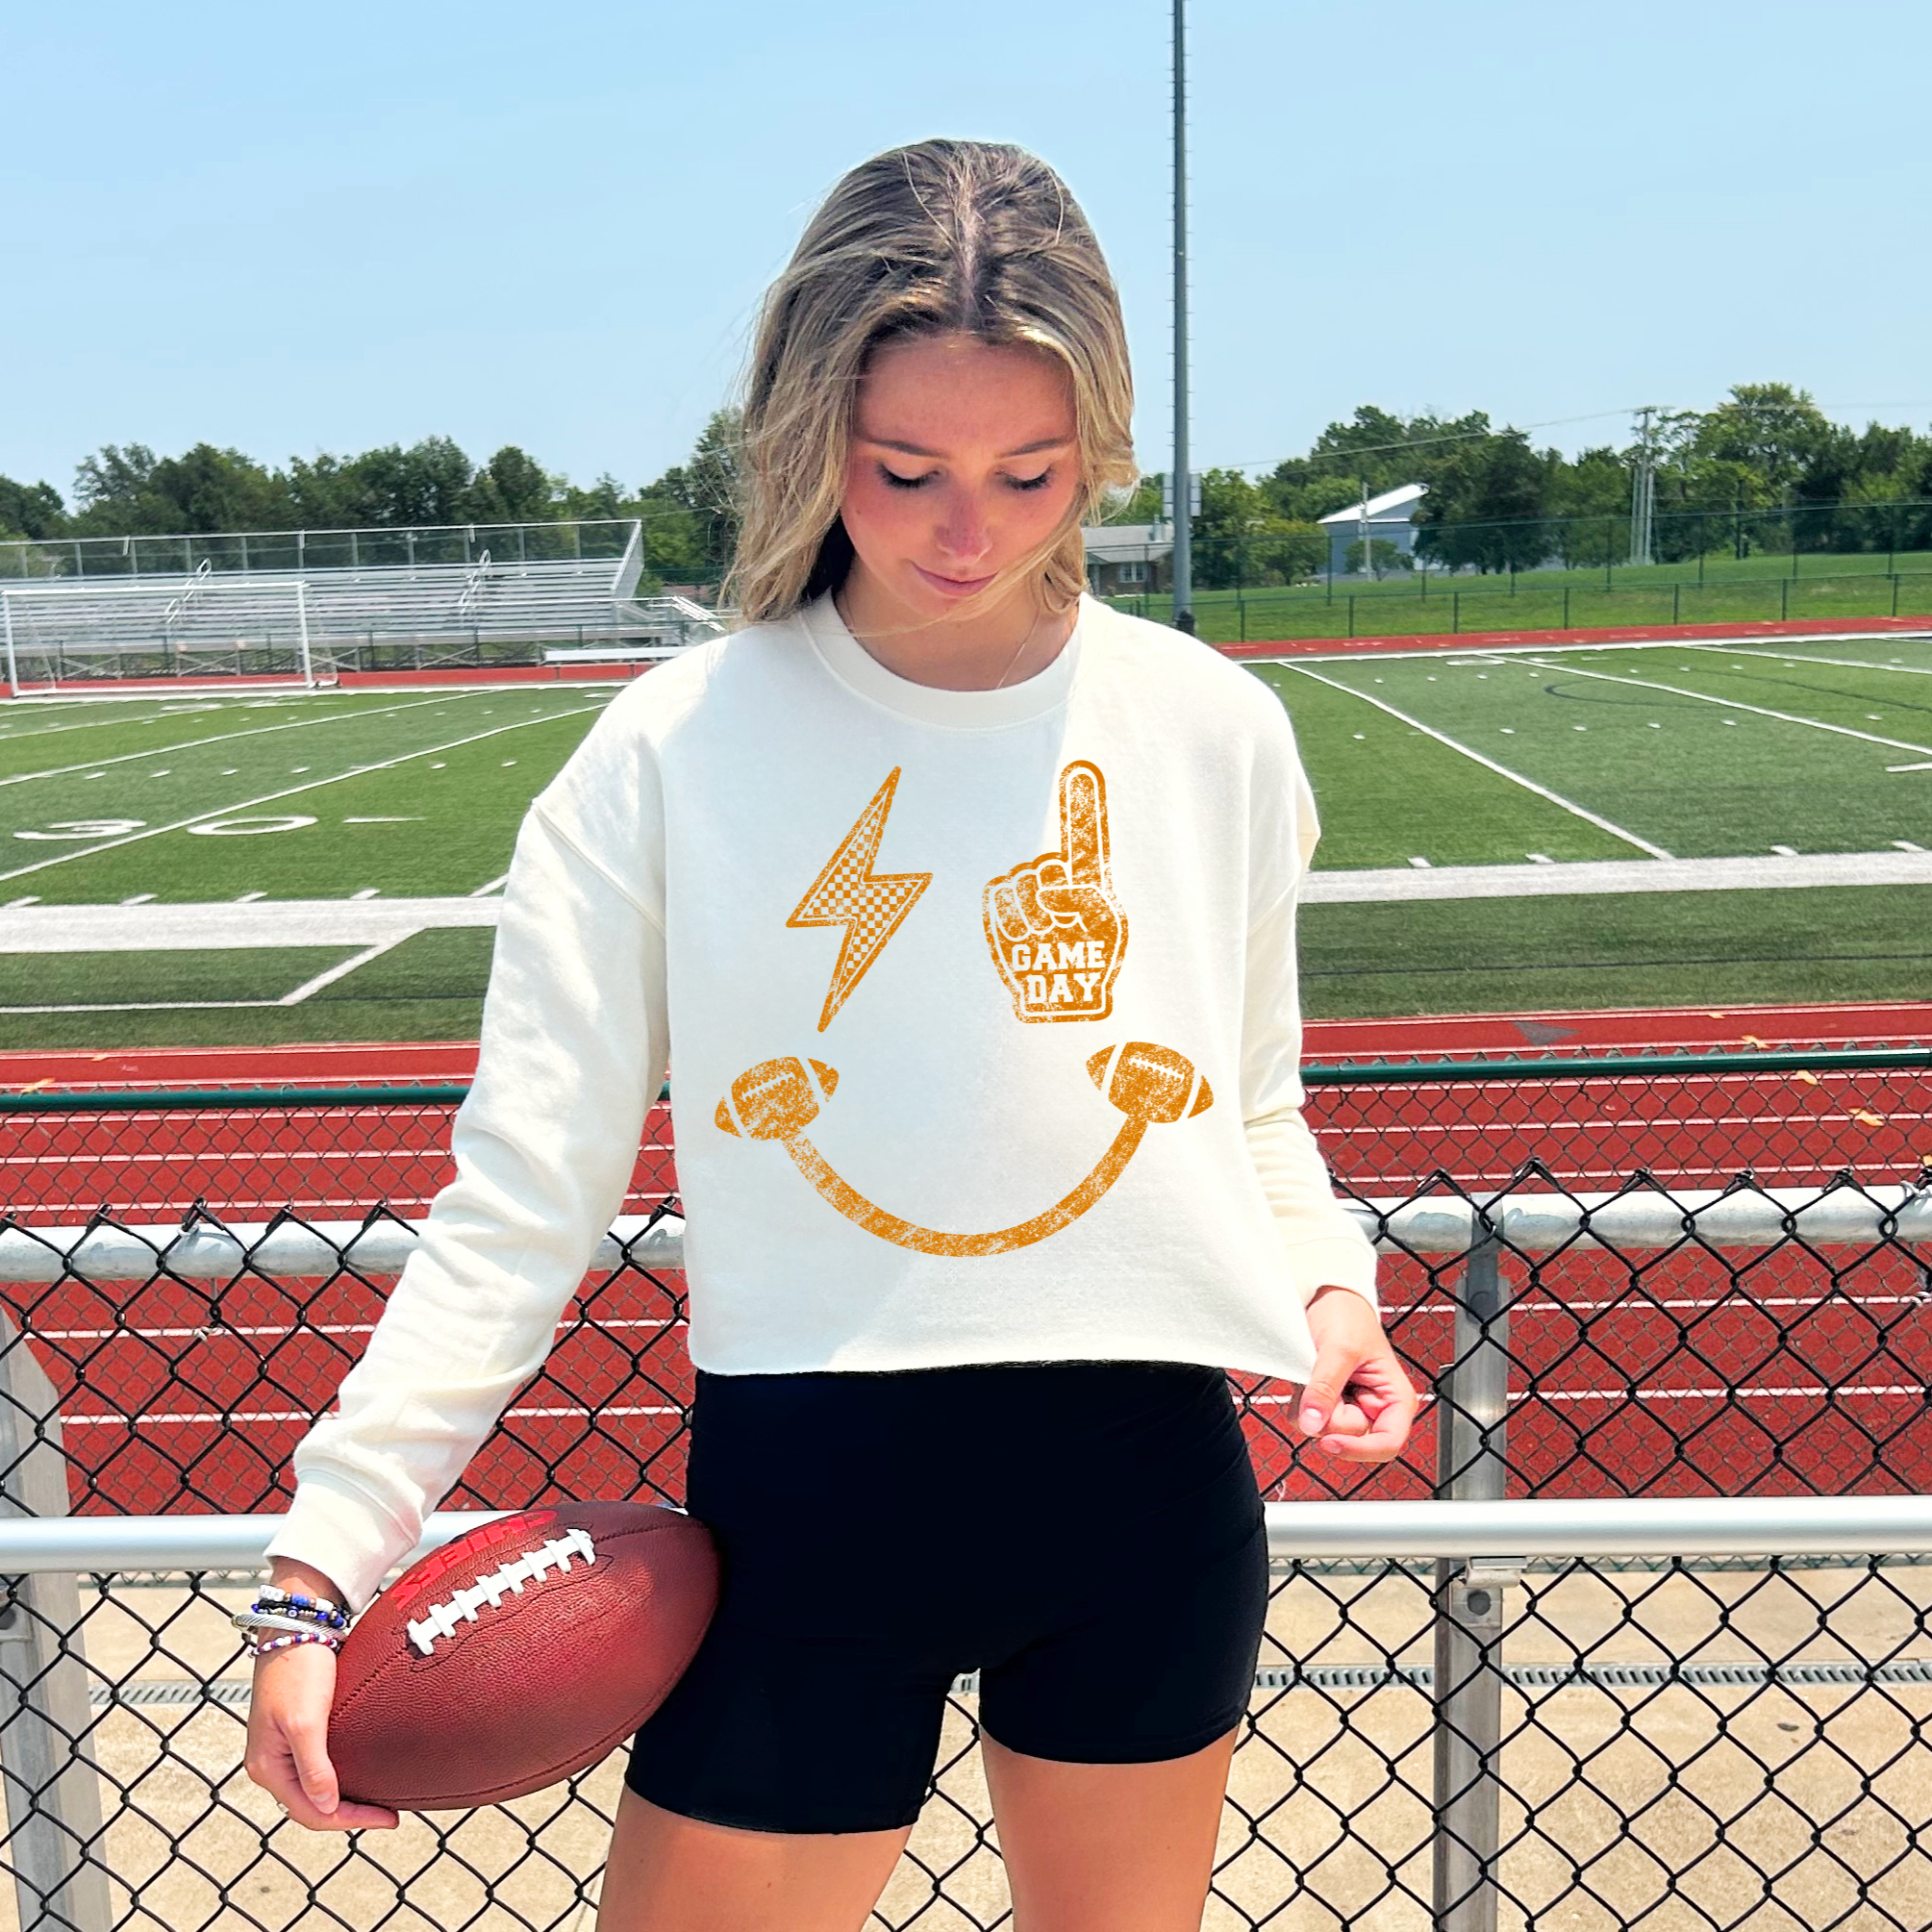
pixel 1475 1593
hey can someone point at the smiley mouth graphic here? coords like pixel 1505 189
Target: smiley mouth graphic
pixel 778 1099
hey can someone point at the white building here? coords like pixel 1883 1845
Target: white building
pixel 1123 559
pixel 1388 522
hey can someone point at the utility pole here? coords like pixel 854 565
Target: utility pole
pixel 1184 481
pixel 1643 491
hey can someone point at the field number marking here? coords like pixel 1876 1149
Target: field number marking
pixel 241 805
pixel 1556 798
pixel 86 828
pixel 248 828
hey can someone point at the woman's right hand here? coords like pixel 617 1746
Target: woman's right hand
pixel 288 1733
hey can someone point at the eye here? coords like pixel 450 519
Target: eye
pixel 895 481
pixel 1039 482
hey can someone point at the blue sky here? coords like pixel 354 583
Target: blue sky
pixel 291 229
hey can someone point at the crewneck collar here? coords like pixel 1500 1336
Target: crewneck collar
pixel 854 666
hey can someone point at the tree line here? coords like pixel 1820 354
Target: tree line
pixel 128 491
pixel 1765 469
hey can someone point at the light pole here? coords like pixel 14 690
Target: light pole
pixel 1643 493
pixel 1183 492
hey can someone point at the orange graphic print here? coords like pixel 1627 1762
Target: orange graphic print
pixel 1057 931
pixel 778 1099
pixel 870 906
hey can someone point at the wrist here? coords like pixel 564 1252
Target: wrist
pixel 287 1572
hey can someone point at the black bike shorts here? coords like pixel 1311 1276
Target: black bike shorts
pixel 1088 1536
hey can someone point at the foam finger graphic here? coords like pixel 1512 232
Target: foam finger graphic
pixel 1065 962
pixel 1083 822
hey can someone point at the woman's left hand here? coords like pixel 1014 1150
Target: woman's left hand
pixel 1359 1402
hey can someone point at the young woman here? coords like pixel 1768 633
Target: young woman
pixel 964 909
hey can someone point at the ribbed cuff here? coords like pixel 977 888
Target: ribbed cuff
pixel 1332 1261
pixel 349 1537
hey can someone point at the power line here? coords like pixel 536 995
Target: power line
pixel 1731 408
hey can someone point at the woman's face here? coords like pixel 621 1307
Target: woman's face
pixel 962 460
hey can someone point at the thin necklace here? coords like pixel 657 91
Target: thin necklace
pixel 999 683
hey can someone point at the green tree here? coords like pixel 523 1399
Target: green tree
pixel 31 509
pixel 512 487
pixel 424 485
pixel 131 492
pixel 1384 555
pixel 1488 505
pixel 1590 504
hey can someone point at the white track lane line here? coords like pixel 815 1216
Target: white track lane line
pixel 220 737
pixel 269 797
pixel 1836 664
pixel 1556 798
pixel 1733 704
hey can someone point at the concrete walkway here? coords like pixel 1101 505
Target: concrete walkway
pixel 1617 875
pixel 259 923
pixel 370 922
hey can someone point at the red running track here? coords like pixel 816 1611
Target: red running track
pixel 1647 1375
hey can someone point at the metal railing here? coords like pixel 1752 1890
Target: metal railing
pixel 1656 1649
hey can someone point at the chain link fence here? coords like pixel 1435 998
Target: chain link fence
pixel 1661 1281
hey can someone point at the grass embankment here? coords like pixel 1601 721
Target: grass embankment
pixel 1717 949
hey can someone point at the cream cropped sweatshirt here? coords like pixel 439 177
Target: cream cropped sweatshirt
pixel 983 1011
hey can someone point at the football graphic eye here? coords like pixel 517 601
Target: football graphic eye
pixel 777 1098
pixel 1150 1083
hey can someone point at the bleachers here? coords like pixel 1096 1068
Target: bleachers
pixel 466 587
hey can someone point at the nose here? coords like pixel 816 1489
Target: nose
pixel 963 536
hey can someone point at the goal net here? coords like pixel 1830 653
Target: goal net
pixel 73 639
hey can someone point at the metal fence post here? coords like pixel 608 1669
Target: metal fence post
pixel 53 1841
pixel 1472 1413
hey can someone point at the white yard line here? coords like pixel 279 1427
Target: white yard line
pixel 351 965
pixel 1798 658
pixel 1501 770
pixel 220 737
pixel 1733 704
pixel 292 791
pixel 494 886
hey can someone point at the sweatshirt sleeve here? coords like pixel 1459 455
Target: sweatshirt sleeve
pixel 1323 1244
pixel 573 1053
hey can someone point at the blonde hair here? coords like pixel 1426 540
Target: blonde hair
pixel 945 237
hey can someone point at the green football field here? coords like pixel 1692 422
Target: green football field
pixel 1516 758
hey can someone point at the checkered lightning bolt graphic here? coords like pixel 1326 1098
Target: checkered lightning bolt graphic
pixel 870 906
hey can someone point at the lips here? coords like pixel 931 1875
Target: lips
pixel 953 586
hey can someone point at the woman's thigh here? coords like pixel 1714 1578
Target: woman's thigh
pixel 668 1873
pixel 1108 1847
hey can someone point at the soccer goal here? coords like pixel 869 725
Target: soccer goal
pixel 73 639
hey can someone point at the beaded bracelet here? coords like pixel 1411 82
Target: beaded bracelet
pixel 289 1643
pixel 295 1603
pixel 252 1621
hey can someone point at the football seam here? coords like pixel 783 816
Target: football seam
pixel 561 1768
pixel 570 1765
pixel 361 1689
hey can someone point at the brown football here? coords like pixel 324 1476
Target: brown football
pixel 518 1655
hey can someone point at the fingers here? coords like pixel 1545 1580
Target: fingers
pixel 1358 1401
pixel 1083 822
pixel 289 1749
